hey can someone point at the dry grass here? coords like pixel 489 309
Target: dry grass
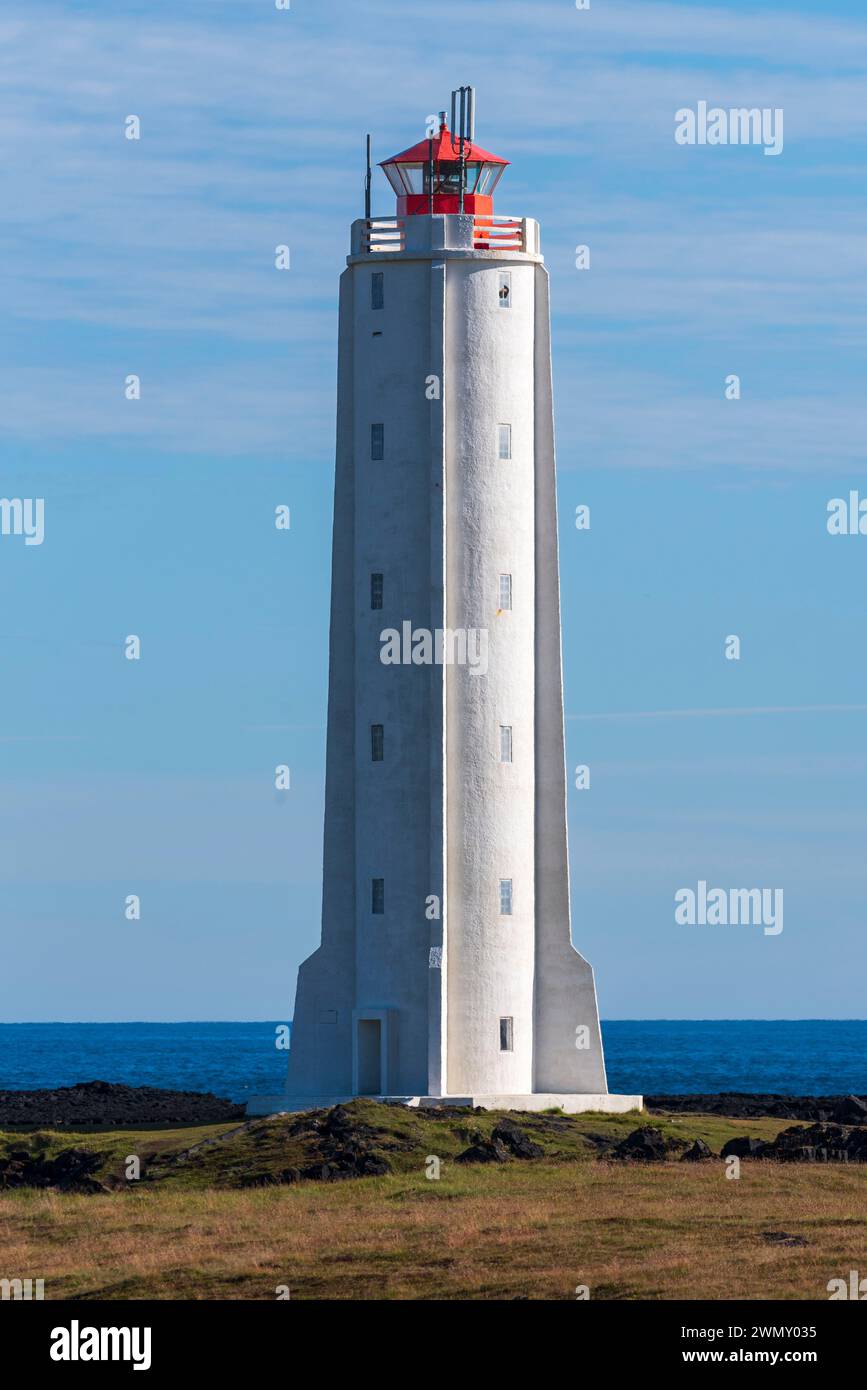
pixel 517 1231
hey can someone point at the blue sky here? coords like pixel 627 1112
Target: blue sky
pixel 708 516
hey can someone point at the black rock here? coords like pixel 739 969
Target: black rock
pixel 72 1170
pixel 743 1105
pixel 104 1103
pixel 746 1147
pixel 850 1111
pixel 783 1238
pixel 698 1153
pixel 856 1145
pixel 372 1166
pixel 813 1144
pixel 515 1140
pixel 645 1145
pixel 487 1151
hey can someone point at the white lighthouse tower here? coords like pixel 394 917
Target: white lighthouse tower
pixel 446 972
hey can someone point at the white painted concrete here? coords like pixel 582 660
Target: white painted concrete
pixel 441 517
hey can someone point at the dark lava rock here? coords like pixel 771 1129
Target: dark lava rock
pixel 819 1143
pixel 645 1145
pixel 856 1145
pixel 343 1147
pixel 850 1111
pixel 103 1103
pixel 747 1147
pixel 698 1153
pixel 600 1141
pixel 783 1238
pixel 744 1105
pixel 814 1144
pixel 515 1140
pixel 485 1151
pixel 71 1171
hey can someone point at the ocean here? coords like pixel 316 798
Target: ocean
pixel 800 1057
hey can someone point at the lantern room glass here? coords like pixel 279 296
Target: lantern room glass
pixel 413 179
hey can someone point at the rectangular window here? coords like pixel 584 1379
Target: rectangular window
pixel 505 289
pixel 507 1039
pixel 377 290
pixel 505 897
pixel 505 743
pixel 377 442
pixel 377 742
pixel 505 591
pixel 504 441
pixel 377 896
pixel 376 581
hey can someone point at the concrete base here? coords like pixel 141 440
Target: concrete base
pixel 570 1104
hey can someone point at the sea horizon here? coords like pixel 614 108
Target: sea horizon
pixel 238 1058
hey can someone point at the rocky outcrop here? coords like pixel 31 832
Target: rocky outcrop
pixel 645 1145
pixel 103 1103
pixel 343 1149
pixel 746 1147
pixel 698 1153
pixel 508 1140
pixel 72 1170
pixel 484 1151
pixel 819 1143
pixel 513 1138
pixel 743 1105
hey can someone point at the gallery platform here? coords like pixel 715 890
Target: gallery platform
pixel 569 1104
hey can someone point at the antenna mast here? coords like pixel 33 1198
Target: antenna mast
pixel 367 182
pixel 464 126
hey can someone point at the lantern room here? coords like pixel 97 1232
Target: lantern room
pixel 444 174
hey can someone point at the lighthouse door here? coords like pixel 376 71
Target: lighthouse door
pixel 369 1044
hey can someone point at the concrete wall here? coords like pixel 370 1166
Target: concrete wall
pixel 393 536
pixel 490 509
pixel 441 517
pixel 565 988
pixel 320 1059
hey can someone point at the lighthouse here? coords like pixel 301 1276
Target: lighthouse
pixel 446 972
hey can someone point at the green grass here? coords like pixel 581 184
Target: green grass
pixel 522 1229
pixel 258 1151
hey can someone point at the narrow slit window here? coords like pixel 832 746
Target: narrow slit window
pixel 377 743
pixel 505 743
pixel 505 897
pixel 376 586
pixel 505 289
pixel 377 442
pixel 377 290
pixel 377 896
pixel 507 1035
pixel 504 441
pixel 505 591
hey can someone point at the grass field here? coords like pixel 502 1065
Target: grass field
pixel 524 1229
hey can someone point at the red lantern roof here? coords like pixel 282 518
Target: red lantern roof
pixel 443 149
pixel 419 193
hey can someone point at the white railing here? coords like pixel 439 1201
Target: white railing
pixel 479 232
pixel 496 233
pixel 383 234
